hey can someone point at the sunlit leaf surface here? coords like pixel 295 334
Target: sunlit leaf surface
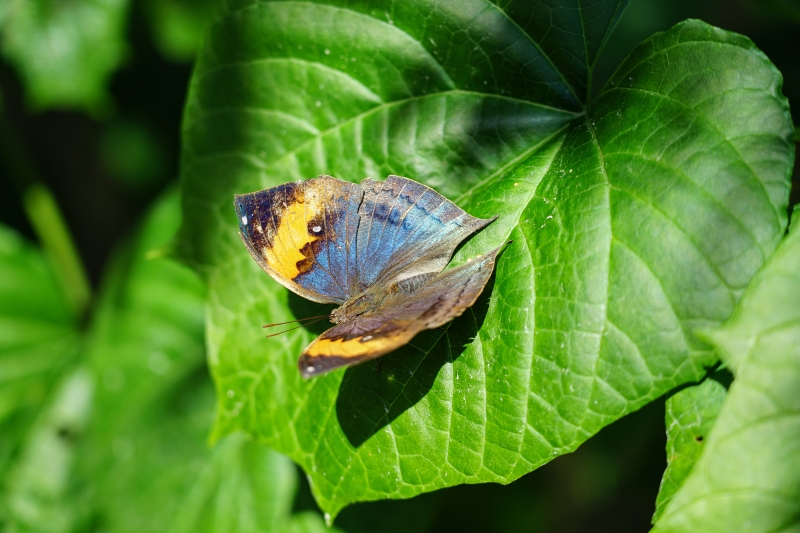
pixel 635 220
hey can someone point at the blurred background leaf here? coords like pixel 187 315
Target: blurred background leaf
pixel 131 154
pixel 178 26
pixel 65 50
pixel 39 338
pixel 36 495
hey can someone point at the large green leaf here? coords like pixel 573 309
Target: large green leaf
pixel 635 220
pixel 64 50
pixel 38 338
pixel 748 476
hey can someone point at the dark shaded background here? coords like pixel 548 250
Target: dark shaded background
pixel 104 172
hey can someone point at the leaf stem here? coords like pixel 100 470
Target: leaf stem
pixel 49 225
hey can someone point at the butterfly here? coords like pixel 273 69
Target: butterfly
pixel 378 249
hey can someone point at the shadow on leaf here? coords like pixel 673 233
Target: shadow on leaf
pixel 372 395
pixel 302 309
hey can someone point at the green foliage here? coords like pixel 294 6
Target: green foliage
pixel 36 495
pixel 178 26
pixel 56 242
pixel 748 476
pixel 120 443
pixel 38 338
pixel 131 154
pixel 636 219
pixel 690 415
pixel 64 50
pixel 649 239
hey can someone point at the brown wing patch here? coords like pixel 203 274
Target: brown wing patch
pixel 288 229
pixel 355 342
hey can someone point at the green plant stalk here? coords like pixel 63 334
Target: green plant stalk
pixel 49 225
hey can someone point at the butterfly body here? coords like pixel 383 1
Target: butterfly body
pixel 378 249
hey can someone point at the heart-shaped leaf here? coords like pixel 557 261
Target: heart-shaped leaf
pixel 748 475
pixel 634 221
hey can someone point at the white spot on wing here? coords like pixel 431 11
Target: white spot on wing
pixel 244 220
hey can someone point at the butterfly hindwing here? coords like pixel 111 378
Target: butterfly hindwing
pixel 303 234
pixel 359 340
pixel 421 302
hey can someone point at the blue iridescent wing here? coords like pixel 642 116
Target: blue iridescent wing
pixel 303 234
pixel 406 229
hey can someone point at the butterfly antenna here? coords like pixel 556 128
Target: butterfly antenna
pixel 291 329
pixel 318 317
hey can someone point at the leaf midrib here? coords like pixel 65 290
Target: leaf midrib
pixel 368 112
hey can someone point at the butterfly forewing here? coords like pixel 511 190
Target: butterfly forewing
pixel 303 235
